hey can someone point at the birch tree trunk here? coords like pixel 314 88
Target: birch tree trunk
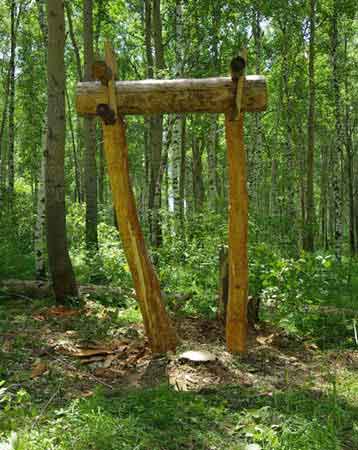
pixel 212 165
pixel 324 197
pixel 308 241
pixel 156 134
pixel 256 157
pixel 76 164
pixel 62 274
pixel 2 131
pixel 338 139
pixel 177 145
pixel 197 171
pixel 14 21
pixel 349 150
pixel 213 182
pixel 290 213
pixel 40 241
pixel 40 227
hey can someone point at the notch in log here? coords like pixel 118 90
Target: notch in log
pixel 101 72
pixel 237 68
pixel 106 114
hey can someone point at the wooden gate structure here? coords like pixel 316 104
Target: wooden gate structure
pixel 111 100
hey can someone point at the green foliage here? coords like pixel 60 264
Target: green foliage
pixel 105 266
pixel 16 233
pixel 227 418
pixel 298 292
pixel 189 264
pixel 15 408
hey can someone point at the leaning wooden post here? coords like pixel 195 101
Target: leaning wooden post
pixel 157 324
pixel 236 318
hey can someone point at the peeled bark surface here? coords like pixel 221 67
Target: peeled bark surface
pixel 253 305
pixel 158 328
pixel 236 321
pixel 215 95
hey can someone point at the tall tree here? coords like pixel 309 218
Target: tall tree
pixel 2 132
pixel 62 274
pixel 15 14
pixel 213 188
pixel 308 241
pixel 78 147
pixel 177 144
pixel 90 136
pixel 40 227
pixel 156 136
pixel 348 137
pixel 338 137
pixel 256 157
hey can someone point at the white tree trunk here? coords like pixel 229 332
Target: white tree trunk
pixel 178 125
pixel 40 240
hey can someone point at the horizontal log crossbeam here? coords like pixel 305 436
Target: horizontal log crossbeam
pixel 206 95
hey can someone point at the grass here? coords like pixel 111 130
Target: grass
pixel 226 418
pixel 67 409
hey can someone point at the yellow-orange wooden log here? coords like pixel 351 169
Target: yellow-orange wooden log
pixel 157 324
pixel 211 95
pixel 236 318
pixel 159 330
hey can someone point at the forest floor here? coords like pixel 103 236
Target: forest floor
pixel 85 379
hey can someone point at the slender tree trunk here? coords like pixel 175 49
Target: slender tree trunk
pixel 310 214
pixel 40 241
pixel 258 131
pixel 40 227
pixel 337 152
pixel 197 171
pixel 101 171
pixel 213 193
pixel 76 50
pixel 349 151
pixel 273 190
pixel 2 132
pixel 90 136
pixel 156 135
pixel 63 279
pixel 178 201
pixel 11 146
pixel 80 121
pixel 182 177
pixel 324 197
pixel 290 219
pixel 77 173
pixel 148 123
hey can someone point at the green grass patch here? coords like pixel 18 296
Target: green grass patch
pixel 222 419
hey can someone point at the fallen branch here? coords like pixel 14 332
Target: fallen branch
pixel 30 289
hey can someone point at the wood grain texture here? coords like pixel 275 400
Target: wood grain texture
pixel 160 332
pixel 212 95
pixel 236 322
pixel 158 327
